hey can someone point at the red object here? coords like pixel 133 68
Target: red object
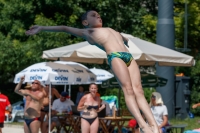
pixel 3 103
pixel 132 123
pixel 68 97
pixel 98 95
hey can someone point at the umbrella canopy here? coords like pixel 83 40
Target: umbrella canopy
pixel 147 80
pixel 101 74
pixel 54 73
pixel 145 53
pixel 81 69
pixel 80 52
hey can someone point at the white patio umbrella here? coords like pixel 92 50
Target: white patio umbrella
pixel 101 74
pixel 81 69
pixel 145 53
pixel 50 72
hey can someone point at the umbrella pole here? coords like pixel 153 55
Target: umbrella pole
pixel 69 91
pixel 49 108
pixel 65 88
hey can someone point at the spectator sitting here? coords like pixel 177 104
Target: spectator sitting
pixel 60 105
pixel 134 126
pixel 159 111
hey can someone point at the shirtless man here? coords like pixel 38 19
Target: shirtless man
pixel 120 60
pixel 45 108
pixel 34 100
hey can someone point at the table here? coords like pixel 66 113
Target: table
pixel 70 123
pixel 109 123
pixel 64 122
pixel 76 123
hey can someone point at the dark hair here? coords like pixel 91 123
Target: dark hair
pixel 86 92
pixel 84 16
pixel 93 84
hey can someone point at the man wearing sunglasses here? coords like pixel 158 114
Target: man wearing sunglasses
pixel 34 100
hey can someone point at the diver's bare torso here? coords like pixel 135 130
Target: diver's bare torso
pixel 106 39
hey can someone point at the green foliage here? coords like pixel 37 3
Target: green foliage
pixel 18 51
pixel 192 123
pixel 135 17
pixel 148 92
pixel 195 85
pixel 194 74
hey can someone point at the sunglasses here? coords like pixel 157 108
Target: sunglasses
pixel 153 96
pixel 35 83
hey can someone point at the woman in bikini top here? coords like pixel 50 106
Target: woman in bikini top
pixel 89 105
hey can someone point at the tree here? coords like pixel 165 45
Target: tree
pixel 18 51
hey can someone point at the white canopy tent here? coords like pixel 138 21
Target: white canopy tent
pixel 145 53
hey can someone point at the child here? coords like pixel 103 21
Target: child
pixel 120 60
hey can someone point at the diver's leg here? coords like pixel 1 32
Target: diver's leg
pixel 121 72
pixel 139 94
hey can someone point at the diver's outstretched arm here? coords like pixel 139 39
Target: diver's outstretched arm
pixel 74 31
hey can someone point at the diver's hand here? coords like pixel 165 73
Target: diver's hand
pixel 34 30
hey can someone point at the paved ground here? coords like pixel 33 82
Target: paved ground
pixel 12 128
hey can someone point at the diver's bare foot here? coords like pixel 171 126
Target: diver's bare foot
pixel 146 129
pixel 154 129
